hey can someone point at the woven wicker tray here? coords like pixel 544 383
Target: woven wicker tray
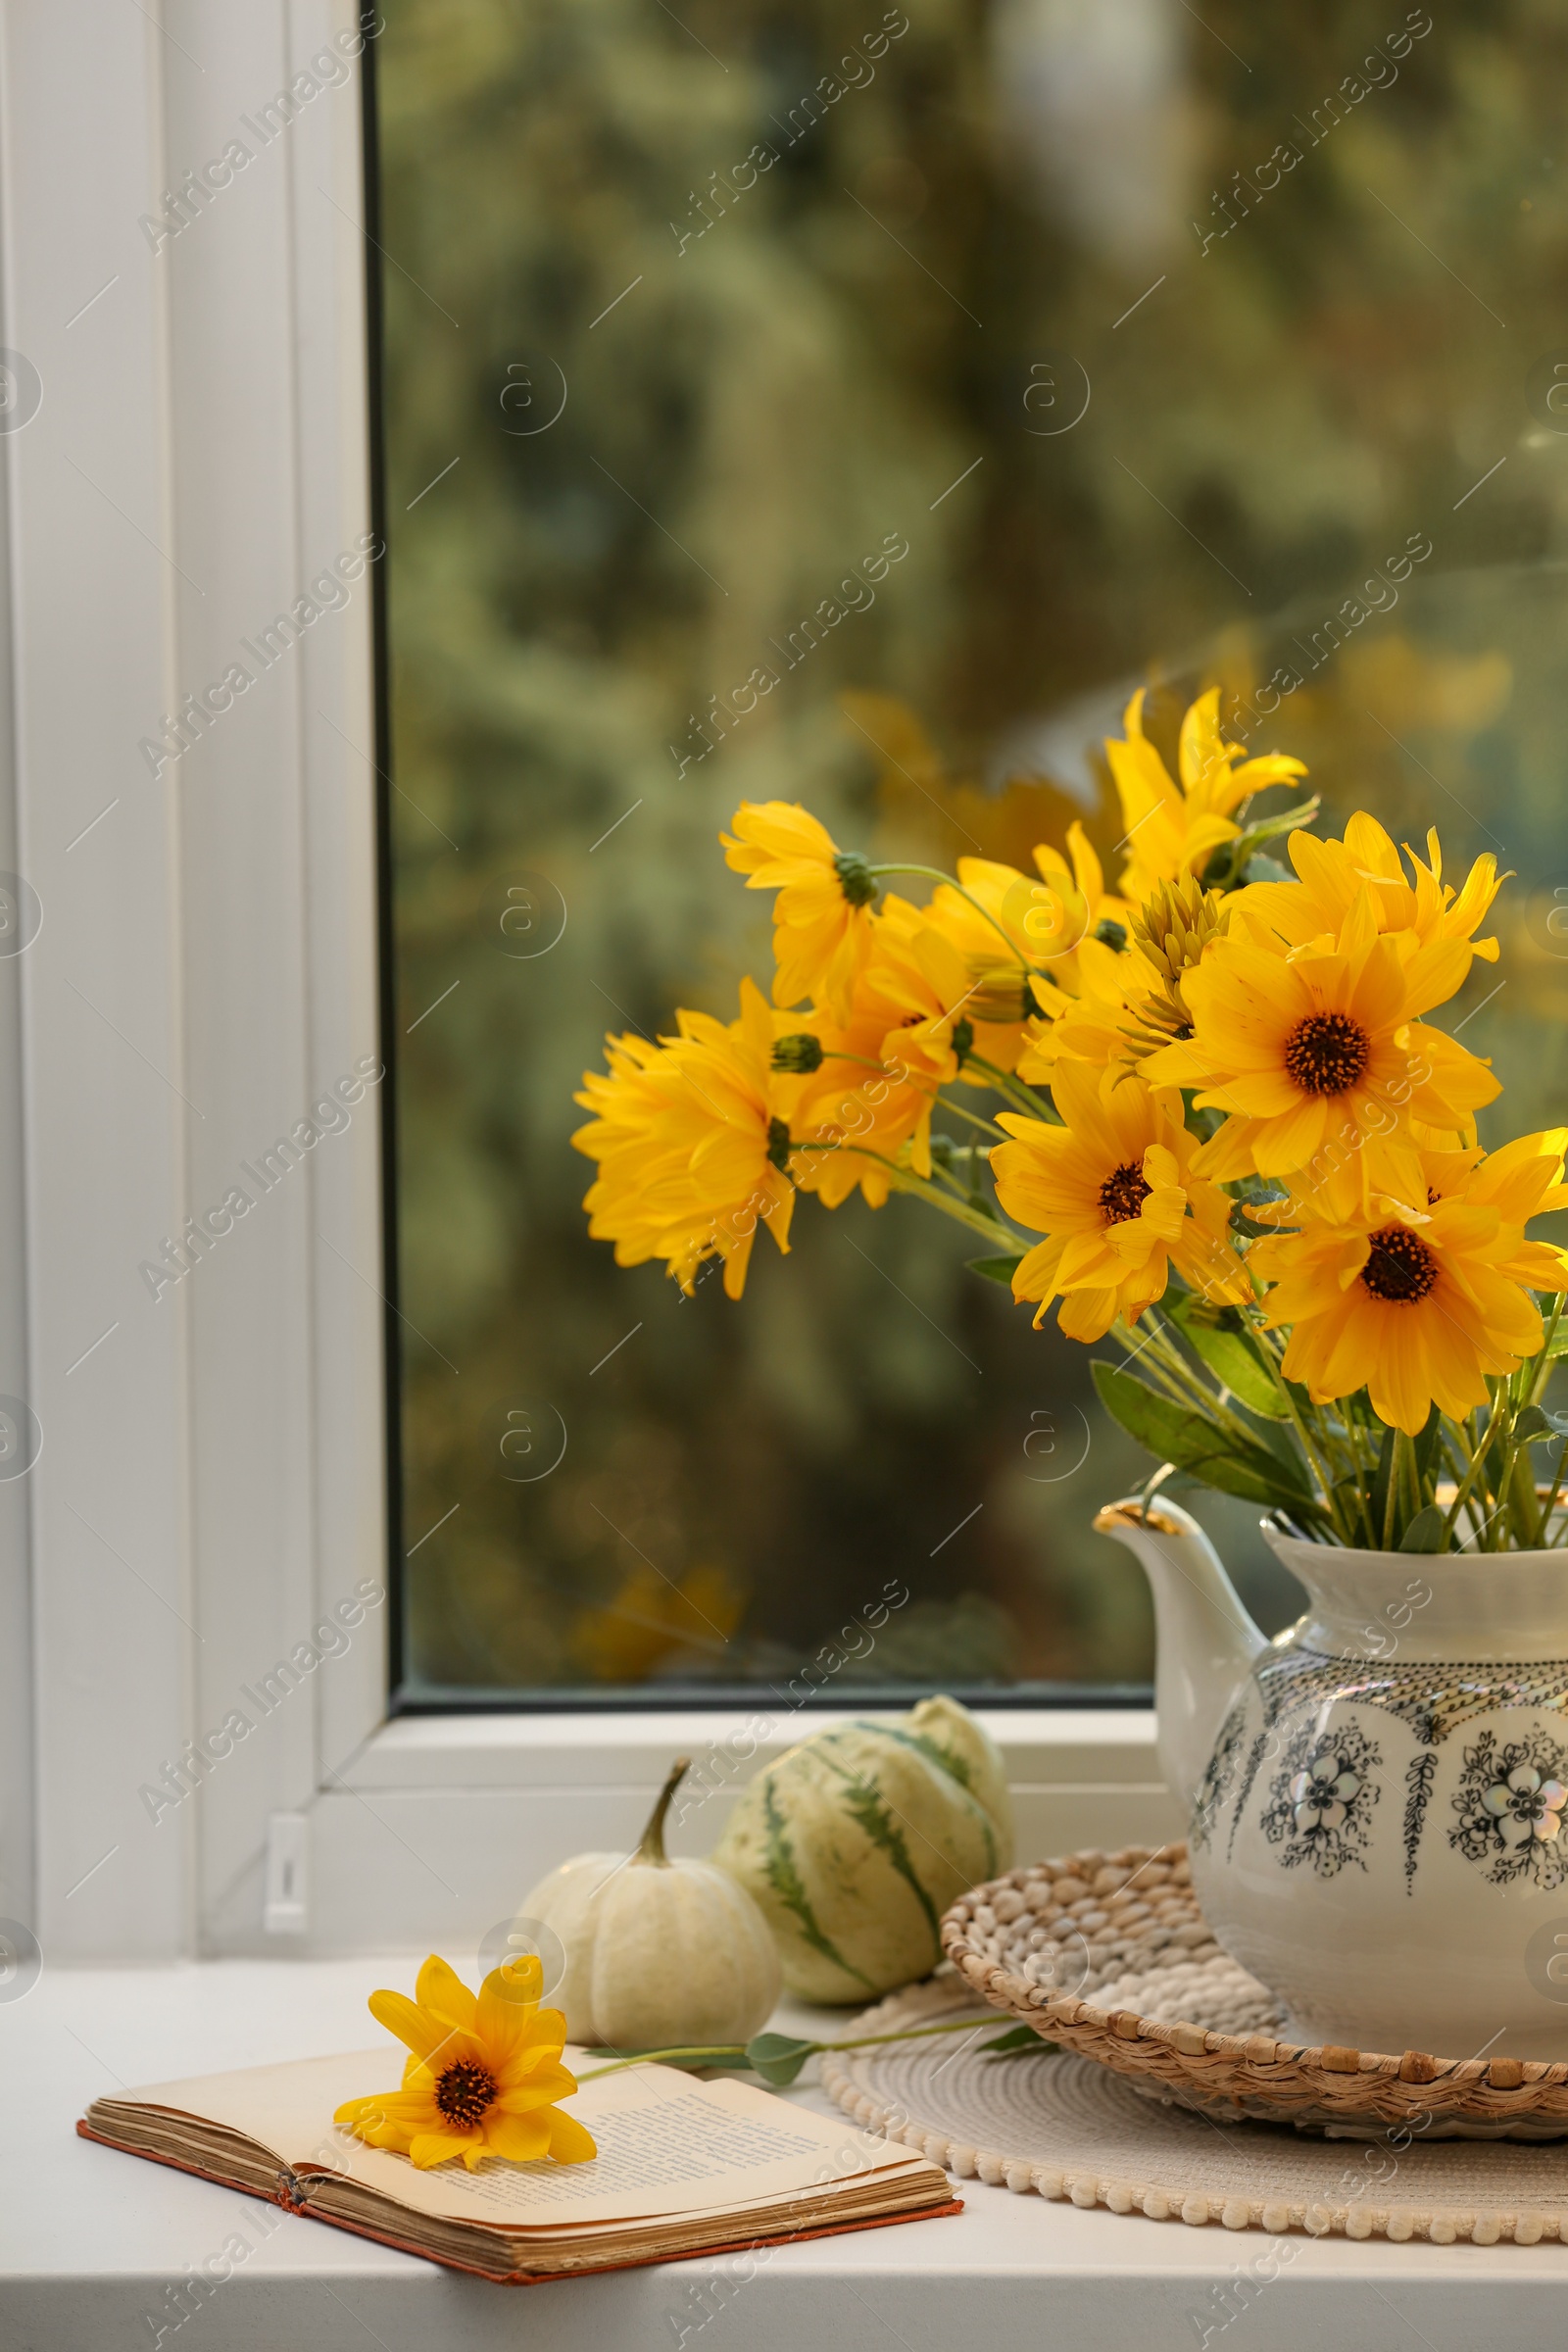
pixel 1107 1955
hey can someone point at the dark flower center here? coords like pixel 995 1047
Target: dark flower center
pixel 1327 1053
pixel 464 2090
pixel 1400 1267
pixel 1124 1192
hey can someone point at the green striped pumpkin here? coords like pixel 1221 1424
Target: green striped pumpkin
pixel 856 1841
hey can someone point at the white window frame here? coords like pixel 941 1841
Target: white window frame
pixel 212 1479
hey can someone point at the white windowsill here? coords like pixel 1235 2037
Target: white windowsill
pixel 1042 1746
pixel 94 2239
pixel 438 1826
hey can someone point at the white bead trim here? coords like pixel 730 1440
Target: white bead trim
pixel 1526 2225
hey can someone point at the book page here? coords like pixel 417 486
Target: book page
pixel 668 2145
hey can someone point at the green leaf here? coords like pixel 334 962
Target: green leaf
pixel 1428 1531
pixel 1531 1424
pixel 1232 1358
pixel 1262 869
pixel 778 2057
pixel 996 1269
pixel 1269 828
pixel 1022 2042
pixel 1175 1433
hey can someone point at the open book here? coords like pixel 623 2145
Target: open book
pixel 683 2168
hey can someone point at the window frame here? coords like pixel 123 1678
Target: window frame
pixel 214 1476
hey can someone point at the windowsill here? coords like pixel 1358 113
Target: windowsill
pixel 1042 1746
pixel 95 2237
pixel 439 1825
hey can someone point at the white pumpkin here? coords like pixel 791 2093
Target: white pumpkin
pixel 659 1954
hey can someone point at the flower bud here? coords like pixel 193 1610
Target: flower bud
pixel 856 878
pixel 798 1055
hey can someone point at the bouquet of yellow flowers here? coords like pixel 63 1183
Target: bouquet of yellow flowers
pixel 1219 1113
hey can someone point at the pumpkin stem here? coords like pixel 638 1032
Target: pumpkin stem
pixel 651 1845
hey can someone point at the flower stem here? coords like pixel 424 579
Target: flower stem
pixel 1315 1462
pixel 934 873
pixel 1482 1447
pixel 864 2042
pixel 973 1116
pixel 708 2049
pixel 1015 1090
pixel 904 1180
pixel 738 2050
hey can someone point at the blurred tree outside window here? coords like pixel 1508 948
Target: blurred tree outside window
pixel 1176 351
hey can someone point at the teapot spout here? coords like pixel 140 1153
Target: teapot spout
pixel 1206 1640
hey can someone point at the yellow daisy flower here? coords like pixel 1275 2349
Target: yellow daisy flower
pixel 866 1108
pixel 1319 1056
pixel 1419 1304
pixel 822 919
pixel 483 2078
pixel 1333 874
pixel 1114 1192
pixel 1046 917
pixel 907 1035
pixel 934 1011
pixel 1095 1023
pixel 1130 1004
pixel 693 1142
pixel 1174 830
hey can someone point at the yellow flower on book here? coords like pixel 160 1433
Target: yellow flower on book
pixel 822 919
pixel 693 1142
pixel 1419 1303
pixel 1174 830
pixel 1333 874
pixel 1319 1056
pixel 483 2078
pixel 1114 1192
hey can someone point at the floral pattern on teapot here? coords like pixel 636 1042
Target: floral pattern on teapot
pixel 1321 1798
pixel 1510 1802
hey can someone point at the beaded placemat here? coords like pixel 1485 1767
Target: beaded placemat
pixel 1058 2126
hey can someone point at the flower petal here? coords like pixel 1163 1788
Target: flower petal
pixel 505 2010
pixel 520 2138
pixel 420 2030
pixel 441 1991
pixel 536 2090
pixel 571 2142
pixel 436 2147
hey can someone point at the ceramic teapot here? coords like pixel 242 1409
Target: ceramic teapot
pixel 1377 1799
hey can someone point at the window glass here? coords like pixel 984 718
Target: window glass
pixel 1143 348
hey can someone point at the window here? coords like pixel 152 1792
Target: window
pixel 1177 351
pixel 1155 351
